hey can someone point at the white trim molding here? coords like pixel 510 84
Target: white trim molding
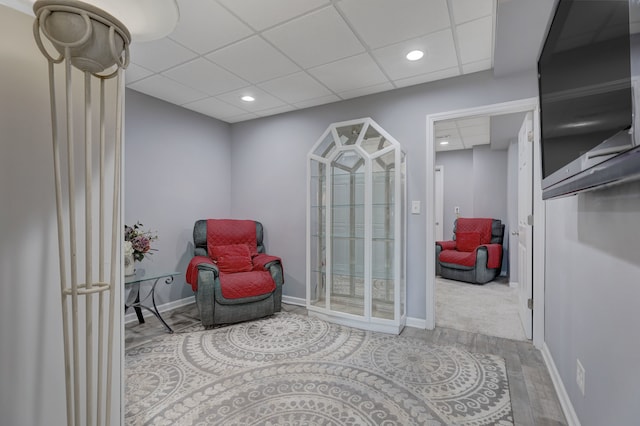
pixel 290 300
pixel 522 105
pixel 563 396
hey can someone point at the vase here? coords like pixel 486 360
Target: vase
pixel 129 265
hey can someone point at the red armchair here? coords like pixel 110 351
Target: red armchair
pixel 475 254
pixel 232 277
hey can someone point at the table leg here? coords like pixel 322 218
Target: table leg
pixel 138 310
pixel 133 301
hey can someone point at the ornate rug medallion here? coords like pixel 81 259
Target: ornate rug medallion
pixel 292 369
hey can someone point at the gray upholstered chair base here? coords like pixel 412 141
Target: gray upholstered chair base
pixel 479 274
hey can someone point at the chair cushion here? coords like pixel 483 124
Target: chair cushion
pixel 480 225
pixel 222 232
pixel 246 284
pixel 232 258
pixel 467 241
pixel 458 257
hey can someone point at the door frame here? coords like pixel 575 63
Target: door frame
pixel 522 105
pixel 440 168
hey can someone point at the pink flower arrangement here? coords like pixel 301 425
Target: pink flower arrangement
pixel 138 241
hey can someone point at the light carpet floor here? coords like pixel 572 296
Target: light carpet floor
pixel 292 369
pixel 490 309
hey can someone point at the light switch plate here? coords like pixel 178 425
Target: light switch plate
pixel 415 207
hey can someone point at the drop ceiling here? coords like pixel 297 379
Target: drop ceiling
pixel 294 54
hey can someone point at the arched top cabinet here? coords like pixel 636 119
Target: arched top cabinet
pixel 356 227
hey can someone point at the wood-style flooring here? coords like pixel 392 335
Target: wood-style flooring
pixel 533 397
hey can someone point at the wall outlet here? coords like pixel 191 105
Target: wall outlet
pixel 580 376
pixel 456 210
pixel 415 207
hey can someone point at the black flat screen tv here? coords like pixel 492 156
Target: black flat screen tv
pixel 587 74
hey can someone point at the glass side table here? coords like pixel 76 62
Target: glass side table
pixel 133 298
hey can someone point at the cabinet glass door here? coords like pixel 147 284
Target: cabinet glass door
pixel 347 233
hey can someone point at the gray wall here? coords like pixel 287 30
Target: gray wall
pixel 32 390
pixel 458 186
pixel 177 170
pixel 490 183
pixel 269 163
pixel 592 289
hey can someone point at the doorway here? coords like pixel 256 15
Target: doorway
pixel 537 265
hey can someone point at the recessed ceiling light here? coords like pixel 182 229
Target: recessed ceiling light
pixel 444 143
pixel 414 55
pixel 248 98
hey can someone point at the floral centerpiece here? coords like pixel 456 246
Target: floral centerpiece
pixel 137 244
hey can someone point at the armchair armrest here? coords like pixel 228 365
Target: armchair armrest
pixel 494 255
pixel 447 245
pixel 272 264
pixel 200 264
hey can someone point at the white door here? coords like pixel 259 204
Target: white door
pixel 439 203
pixel 525 222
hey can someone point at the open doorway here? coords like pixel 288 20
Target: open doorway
pixel 536 266
pixel 481 155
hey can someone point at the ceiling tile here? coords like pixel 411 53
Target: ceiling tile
pixel 470 131
pixel 476 66
pixel 316 38
pixel 363 91
pixel 202 75
pixel 475 40
pixel 425 78
pixel 439 52
pixel 473 122
pixel 159 55
pixel 350 73
pixel 446 134
pixel 476 140
pixel 242 117
pixel 318 101
pixel 274 111
pixel 295 88
pixel 383 22
pixel 468 10
pixel 453 145
pixel 164 88
pixel 261 14
pixel 214 108
pixel 204 25
pixel 446 125
pixel 263 100
pixel 135 72
pixel 242 58
pixel 349 47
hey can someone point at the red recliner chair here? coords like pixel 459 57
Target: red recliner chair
pixel 475 254
pixel 232 277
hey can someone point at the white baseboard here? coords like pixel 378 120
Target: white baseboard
pixel 563 396
pixel 416 323
pixel 411 322
pixel 294 300
pixel 131 316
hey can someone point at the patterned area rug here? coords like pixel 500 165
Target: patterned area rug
pixel 291 369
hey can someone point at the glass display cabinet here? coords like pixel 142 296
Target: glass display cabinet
pixel 356 227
